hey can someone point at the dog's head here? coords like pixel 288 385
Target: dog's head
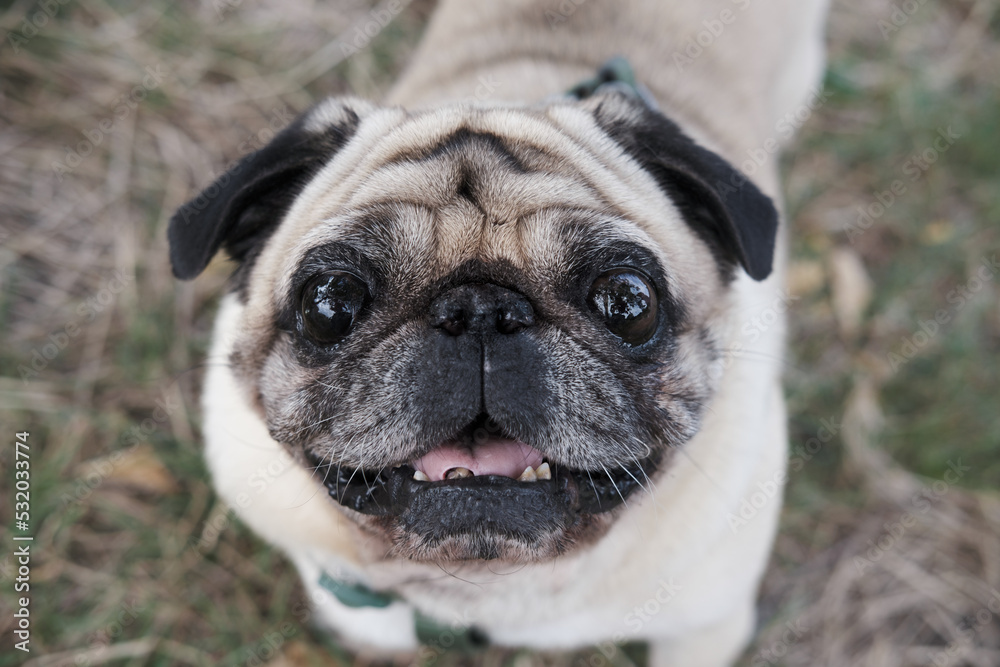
pixel 482 329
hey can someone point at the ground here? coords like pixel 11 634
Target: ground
pixel 114 113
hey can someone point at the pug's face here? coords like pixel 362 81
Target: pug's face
pixel 483 330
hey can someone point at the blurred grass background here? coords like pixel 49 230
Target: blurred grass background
pixel 137 563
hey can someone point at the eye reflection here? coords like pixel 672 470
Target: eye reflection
pixel 331 304
pixel 627 301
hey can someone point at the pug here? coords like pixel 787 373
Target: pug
pixel 495 366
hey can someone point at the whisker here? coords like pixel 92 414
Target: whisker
pixel 589 476
pixel 755 355
pixel 681 451
pixel 314 425
pixel 636 479
pixel 612 480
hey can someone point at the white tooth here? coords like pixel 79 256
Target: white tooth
pixel 543 471
pixel 421 476
pixel 528 475
pixel 458 473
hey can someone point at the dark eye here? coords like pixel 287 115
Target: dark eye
pixel 627 302
pixel 331 303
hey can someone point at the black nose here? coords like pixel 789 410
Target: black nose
pixel 481 308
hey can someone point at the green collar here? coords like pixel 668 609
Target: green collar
pixel 429 631
pixel 614 75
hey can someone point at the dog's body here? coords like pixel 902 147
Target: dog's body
pixel 677 563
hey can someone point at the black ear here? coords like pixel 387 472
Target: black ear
pixel 728 212
pixel 245 205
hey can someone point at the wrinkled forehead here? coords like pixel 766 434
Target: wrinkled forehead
pixel 514 185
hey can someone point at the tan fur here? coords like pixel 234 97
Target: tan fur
pixel 517 221
pixel 729 99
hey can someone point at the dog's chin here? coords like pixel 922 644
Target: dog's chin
pixel 508 504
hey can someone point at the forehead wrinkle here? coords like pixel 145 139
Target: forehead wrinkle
pixel 522 131
pixel 510 196
pixel 379 141
pixel 552 244
pixel 504 243
pixel 401 235
pixel 429 184
pixel 459 231
pixel 546 133
pixel 504 193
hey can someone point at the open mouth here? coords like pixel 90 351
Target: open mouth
pixel 482 474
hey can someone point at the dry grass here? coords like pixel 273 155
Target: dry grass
pixel 135 561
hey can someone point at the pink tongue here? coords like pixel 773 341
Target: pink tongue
pixel 496 456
